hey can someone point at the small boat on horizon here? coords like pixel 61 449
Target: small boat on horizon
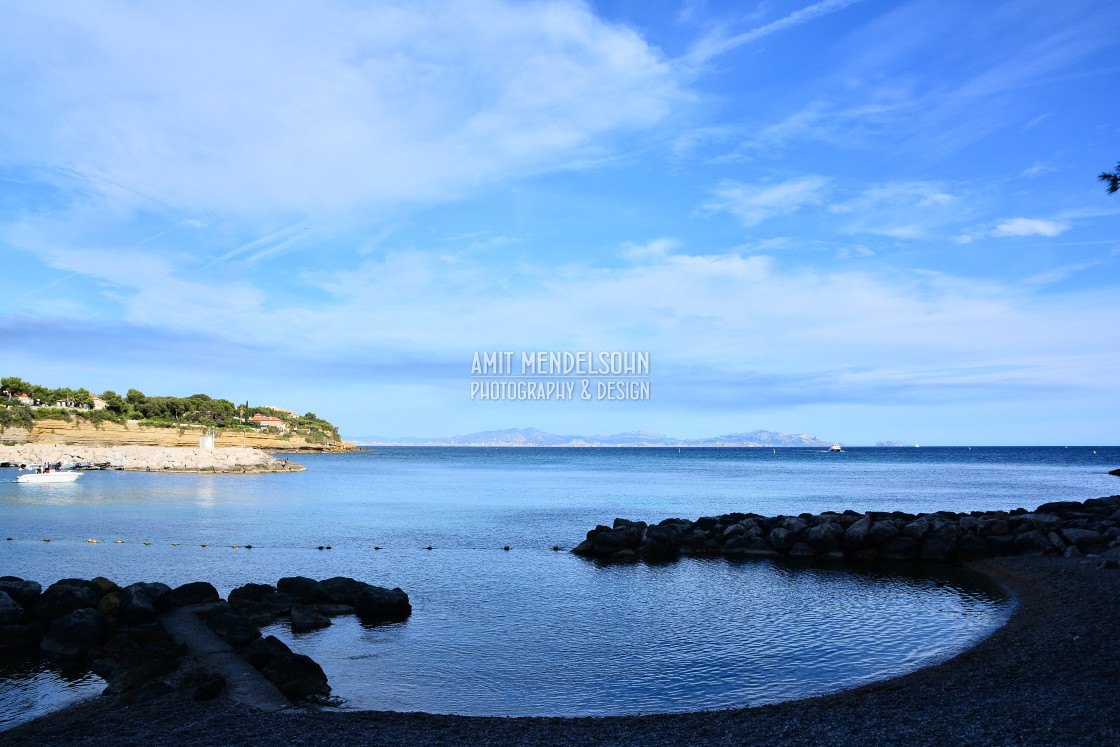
pixel 835 447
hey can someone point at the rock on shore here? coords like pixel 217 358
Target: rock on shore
pixel 150 458
pixel 1065 528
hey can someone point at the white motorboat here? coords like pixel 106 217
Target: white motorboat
pixel 835 447
pixel 50 476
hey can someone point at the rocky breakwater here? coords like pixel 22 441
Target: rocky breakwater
pixel 1064 528
pixel 150 458
pixel 120 634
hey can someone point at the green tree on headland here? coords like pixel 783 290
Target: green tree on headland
pixel 197 409
pixel 1112 178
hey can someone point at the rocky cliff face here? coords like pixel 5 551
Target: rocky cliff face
pixel 83 433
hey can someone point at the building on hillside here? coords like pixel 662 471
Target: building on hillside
pixel 267 421
pixel 282 409
pixel 23 399
pixel 98 403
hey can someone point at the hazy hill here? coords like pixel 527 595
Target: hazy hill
pixel 535 437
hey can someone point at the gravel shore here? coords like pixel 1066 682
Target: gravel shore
pixel 1049 677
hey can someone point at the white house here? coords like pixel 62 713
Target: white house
pixel 267 421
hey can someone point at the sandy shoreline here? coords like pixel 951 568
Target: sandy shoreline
pixel 1049 676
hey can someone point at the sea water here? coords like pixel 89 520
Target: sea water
pixel 533 631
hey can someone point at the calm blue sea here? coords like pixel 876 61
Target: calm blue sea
pixel 531 630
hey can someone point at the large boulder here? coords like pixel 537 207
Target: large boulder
pixel 249 592
pixel 73 635
pixel 196 592
pixel 1032 542
pixel 297 675
pixel 782 539
pixel 25 593
pixel 378 604
pixel 882 532
pixel 303 589
pixel 856 536
pixel 940 547
pixel 824 537
pixel 141 602
pixel 60 600
pixel 1087 540
pixel 234 628
pixel 622 538
pixel 343 590
pixel 305 619
pixel 972 547
pixel 11 612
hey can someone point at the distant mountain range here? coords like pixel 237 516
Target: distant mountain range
pixel 534 437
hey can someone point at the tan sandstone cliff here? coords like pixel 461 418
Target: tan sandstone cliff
pixel 83 433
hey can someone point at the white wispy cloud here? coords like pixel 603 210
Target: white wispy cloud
pixel 714 45
pixel 219 108
pixel 1028 227
pixel 754 203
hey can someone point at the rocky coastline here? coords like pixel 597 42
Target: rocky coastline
pixel 135 637
pixel 150 458
pixel 1069 528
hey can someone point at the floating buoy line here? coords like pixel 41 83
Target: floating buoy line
pixel 149 543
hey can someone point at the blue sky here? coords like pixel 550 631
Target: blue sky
pixel 862 220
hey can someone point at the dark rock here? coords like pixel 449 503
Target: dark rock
pixel 1033 542
pixel 378 604
pixel 196 592
pixel 992 526
pixel 824 537
pixel 940 547
pixel 782 539
pixel 704 523
pixel 104 585
pixel 25 593
pixel 263 650
pixel 1057 541
pixel 332 610
pixel 900 548
pixel 801 550
pixel 796 525
pixel 297 675
pixel 21 637
pixel 141 602
pixel 856 535
pixel 60 600
pixel 623 538
pixel 233 628
pixel 917 529
pixel 1073 552
pixel 140 668
pixel 882 532
pixel 1087 541
pixel 304 590
pixel 587 547
pixel 110 606
pixel 1058 507
pixel 305 619
pixel 252 592
pixel 73 635
pixel 667 535
pixel 972 547
pixel 1042 521
pixel 11 612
